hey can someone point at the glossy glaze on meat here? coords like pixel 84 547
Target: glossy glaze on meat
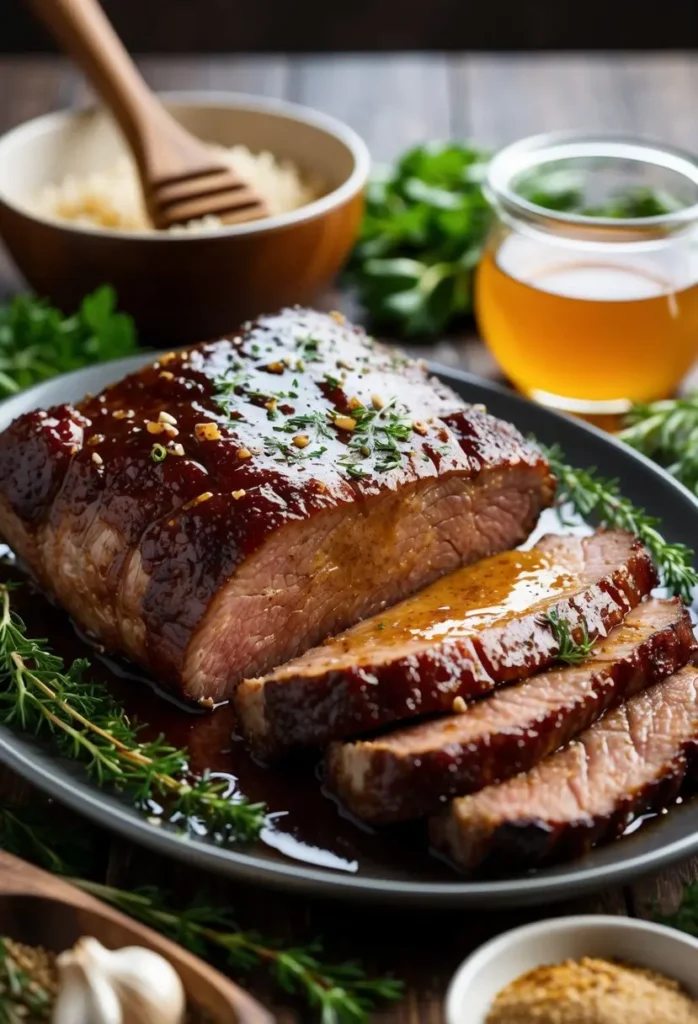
pixel 413 771
pixel 633 761
pixel 460 638
pixel 209 517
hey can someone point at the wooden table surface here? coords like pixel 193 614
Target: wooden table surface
pixel 395 101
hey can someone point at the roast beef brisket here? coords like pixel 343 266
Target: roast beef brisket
pixel 459 638
pixel 229 506
pixel 412 771
pixel 631 762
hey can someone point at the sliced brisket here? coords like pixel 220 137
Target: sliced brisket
pixel 634 760
pixel 230 505
pixel 460 637
pixel 411 771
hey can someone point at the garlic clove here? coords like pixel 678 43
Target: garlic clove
pixel 85 995
pixel 141 984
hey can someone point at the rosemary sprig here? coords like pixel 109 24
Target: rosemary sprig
pixel 588 493
pixel 343 993
pixel 569 651
pixel 667 431
pixel 38 695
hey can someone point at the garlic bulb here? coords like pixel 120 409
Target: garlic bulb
pixel 124 986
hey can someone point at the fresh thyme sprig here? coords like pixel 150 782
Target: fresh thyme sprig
pixel 667 432
pixel 38 695
pixel 569 651
pixel 589 493
pixel 342 993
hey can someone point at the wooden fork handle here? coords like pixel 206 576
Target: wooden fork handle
pixel 84 31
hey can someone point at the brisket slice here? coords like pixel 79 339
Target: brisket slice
pixel 411 771
pixel 461 637
pixel 261 530
pixel 632 761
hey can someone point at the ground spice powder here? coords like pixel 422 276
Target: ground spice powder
pixel 591 991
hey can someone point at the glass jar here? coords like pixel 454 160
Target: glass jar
pixel 594 304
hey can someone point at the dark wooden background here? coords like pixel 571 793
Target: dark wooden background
pixel 394 101
pixel 190 26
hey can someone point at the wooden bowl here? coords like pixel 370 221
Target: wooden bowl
pixel 41 910
pixel 188 286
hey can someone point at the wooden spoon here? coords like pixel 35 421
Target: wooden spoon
pixel 41 910
pixel 181 178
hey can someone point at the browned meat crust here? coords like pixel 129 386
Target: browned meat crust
pixel 460 637
pixel 261 530
pixel 633 761
pixel 413 771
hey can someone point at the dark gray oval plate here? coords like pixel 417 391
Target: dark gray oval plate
pixel 673 836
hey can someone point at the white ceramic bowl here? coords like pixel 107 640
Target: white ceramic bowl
pixel 489 969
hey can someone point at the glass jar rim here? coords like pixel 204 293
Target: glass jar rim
pixel 535 150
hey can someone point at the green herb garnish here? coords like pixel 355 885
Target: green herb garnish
pixel 158 453
pixel 309 349
pixel 569 650
pixel 589 493
pixel 425 223
pixel 317 422
pixel 40 696
pixel 339 993
pixel 286 452
pixel 38 341
pixel 667 432
pixel 378 433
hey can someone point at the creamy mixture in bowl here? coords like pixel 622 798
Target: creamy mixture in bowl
pixel 112 198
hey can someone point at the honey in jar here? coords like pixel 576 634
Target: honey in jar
pixel 589 313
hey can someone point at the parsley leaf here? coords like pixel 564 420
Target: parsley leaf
pixel 37 341
pixel 425 223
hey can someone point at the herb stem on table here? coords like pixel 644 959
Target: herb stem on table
pixel 38 695
pixel 592 494
pixel 341 993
